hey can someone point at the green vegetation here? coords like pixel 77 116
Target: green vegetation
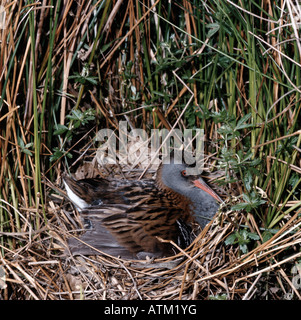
pixel 70 68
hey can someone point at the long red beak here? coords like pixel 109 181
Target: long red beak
pixel 202 185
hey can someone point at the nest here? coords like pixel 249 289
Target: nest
pixel 42 267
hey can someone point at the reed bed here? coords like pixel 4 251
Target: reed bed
pixel 69 69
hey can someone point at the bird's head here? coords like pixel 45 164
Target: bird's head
pixel 203 198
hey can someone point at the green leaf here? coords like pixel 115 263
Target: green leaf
pixel 222 296
pixel 225 130
pixel 230 239
pixel 243 248
pixel 267 235
pixel 248 180
pixel 56 155
pixel 255 162
pixel 239 206
pixel 26 151
pixel 76 124
pixel 29 145
pixel 60 129
pixel 24 148
pixel 92 80
pixel 75 115
pixel 241 123
pixel 253 236
pixel 252 201
pixel 244 236
pixel 214 27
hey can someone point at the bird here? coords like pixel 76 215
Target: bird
pixel 128 218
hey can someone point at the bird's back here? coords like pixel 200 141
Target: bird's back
pixel 128 216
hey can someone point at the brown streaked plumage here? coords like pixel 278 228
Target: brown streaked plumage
pixel 126 217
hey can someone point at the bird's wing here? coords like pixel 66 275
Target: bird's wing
pixel 123 230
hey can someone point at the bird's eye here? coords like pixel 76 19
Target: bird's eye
pixel 183 172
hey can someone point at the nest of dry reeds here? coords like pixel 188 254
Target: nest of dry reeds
pixel 230 69
pixel 43 268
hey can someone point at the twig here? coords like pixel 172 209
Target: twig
pixel 247 295
pixel 134 282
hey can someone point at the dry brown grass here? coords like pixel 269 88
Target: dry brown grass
pixel 43 268
pixel 177 84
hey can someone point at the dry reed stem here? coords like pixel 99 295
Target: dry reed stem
pixel 128 34
pixel 33 258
